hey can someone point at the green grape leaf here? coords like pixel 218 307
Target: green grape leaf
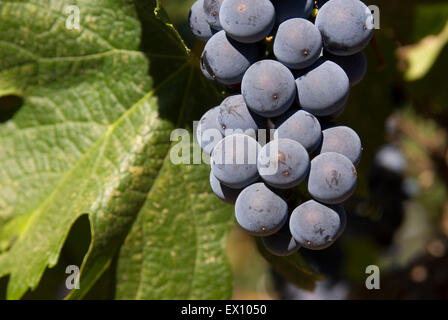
pixel 183 235
pixel 421 57
pixel 93 137
pixel 292 268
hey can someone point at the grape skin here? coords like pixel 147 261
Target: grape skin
pixel 324 89
pixel 289 166
pixel 315 65
pixel 297 44
pixel 223 192
pixel 355 66
pixel 233 161
pixel 226 60
pixel 260 211
pixel 344 26
pixel 247 21
pixel 300 126
pixel 314 225
pixel 204 71
pixel 233 114
pixel 289 9
pixel 281 243
pixel 198 24
pixel 268 88
pixel 207 131
pixel 211 13
pixel 332 178
pixel 343 140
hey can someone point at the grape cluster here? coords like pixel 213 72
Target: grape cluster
pixel 290 65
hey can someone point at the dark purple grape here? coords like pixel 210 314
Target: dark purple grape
pixel 345 25
pixel 332 178
pixel 281 243
pixel 234 161
pixel 316 226
pixel 226 60
pixel 198 25
pixel 247 21
pixel 268 88
pixel 283 163
pixel 297 44
pixel 260 211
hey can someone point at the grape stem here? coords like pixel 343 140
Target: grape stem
pixel 378 53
